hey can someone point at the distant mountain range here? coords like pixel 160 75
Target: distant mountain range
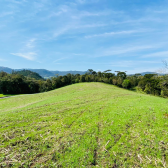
pixel 46 73
pixel 144 73
pixel 43 72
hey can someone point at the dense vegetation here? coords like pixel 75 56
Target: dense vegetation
pixel 84 125
pixel 17 83
pixel 28 74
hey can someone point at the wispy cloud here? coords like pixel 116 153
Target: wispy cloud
pixel 30 43
pixel 123 50
pixel 86 13
pixel 114 33
pixel 61 31
pixel 27 51
pixel 59 59
pixel 132 63
pixel 61 10
pixel 29 56
pixel 84 30
pixel 123 63
pixel 82 14
pixel 90 25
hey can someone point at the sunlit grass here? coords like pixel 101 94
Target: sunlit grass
pixel 2 95
pixel 6 95
pixel 84 125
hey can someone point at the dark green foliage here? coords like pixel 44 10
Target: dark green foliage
pixel 3 74
pixel 87 78
pixel 29 74
pixel 150 85
pixel 134 80
pixel 17 84
pixel 82 78
pixel 126 84
pixel 122 75
pixel 149 76
pixel 142 83
pixel 164 86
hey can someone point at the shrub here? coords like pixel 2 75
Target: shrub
pixel 126 83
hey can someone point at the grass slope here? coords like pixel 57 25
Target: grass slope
pixel 2 95
pixel 84 125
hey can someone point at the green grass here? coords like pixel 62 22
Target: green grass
pixel 6 95
pixel 84 125
pixel 2 95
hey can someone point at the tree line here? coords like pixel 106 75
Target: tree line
pixel 17 83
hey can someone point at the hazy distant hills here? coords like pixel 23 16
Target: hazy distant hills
pixel 143 73
pixel 46 73
pixel 43 72
pixel 5 69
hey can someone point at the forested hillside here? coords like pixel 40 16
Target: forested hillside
pixel 29 74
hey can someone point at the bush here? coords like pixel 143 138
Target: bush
pixel 126 84
pixel 164 93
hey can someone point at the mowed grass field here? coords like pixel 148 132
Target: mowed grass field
pixel 84 125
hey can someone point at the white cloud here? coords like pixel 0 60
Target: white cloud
pixel 86 13
pixel 124 63
pixel 122 50
pixel 30 43
pixel 62 9
pixel 114 33
pixel 82 14
pixel 61 31
pixel 60 59
pixel 29 56
pixel 131 32
pixel 90 26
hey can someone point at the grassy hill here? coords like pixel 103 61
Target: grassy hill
pixel 84 125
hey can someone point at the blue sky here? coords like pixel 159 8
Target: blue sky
pixel 125 35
